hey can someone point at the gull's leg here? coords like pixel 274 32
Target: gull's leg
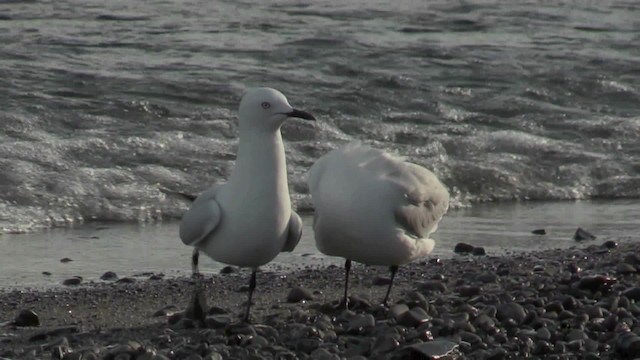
pixel 345 299
pixel 194 263
pixel 252 286
pixel 394 269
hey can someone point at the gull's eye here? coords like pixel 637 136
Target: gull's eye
pixel 266 105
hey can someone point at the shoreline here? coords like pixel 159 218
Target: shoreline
pixel 535 303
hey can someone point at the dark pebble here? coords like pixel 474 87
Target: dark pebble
pixel 436 349
pixel 633 259
pixel 298 294
pixel 632 293
pixel 227 270
pixel 463 248
pixel 628 345
pixel 625 269
pixel 539 232
pixel 432 285
pixel 468 291
pixel 27 318
pixel 582 235
pixel 65 260
pixel 72 281
pixel 108 276
pixel 381 280
pixel 597 283
pixel 46 273
pixel 511 310
pixel 610 244
pixel 478 251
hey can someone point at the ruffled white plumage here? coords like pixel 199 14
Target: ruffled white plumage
pixel 373 207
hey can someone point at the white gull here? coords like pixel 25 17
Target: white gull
pixel 374 208
pixel 248 221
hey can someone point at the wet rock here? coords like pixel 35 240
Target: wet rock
pixel 595 283
pixel 413 317
pixel 488 278
pixel 478 251
pixel 539 232
pixel 625 269
pixel 610 244
pixel 511 310
pixel 227 270
pixel 633 259
pixel 432 286
pixel 298 294
pixel 125 280
pixel 436 349
pixel 72 281
pixel 109 276
pixel 582 235
pixel 323 354
pixel 385 343
pixel 628 345
pixel 381 280
pixel 46 273
pixel 361 324
pixel 463 248
pixel 26 318
pixel 632 293
pixel 217 321
pixel 573 268
pixel 468 291
pixel 396 311
pixel 156 277
pixel 65 260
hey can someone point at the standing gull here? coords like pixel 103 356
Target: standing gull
pixel 248 220
pixel 374 208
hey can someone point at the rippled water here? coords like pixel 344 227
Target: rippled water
pixel 104 102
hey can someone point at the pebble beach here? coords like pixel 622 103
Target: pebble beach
pixel 576 303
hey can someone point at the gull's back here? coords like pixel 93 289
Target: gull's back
pixel 373 207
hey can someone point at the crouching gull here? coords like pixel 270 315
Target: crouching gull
pixel 374 208
pixel 248 220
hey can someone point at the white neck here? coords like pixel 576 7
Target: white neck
pixel 261 156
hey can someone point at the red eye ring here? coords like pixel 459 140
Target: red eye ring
pixel 265 105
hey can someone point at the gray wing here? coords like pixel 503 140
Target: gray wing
pixel 294 232
pixel 202 218
pixel 426 202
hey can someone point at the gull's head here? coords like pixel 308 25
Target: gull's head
pixel 267 108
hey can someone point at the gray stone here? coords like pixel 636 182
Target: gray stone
pixel 632 293
pixel 463 248
pixel 26 317
pixel 543 334
pixel 323 354
pixel 432 286
pixel 109 276
pixel 385 343
pixel 582 235
pixel 72 281
pixel 361 324
pixel 299 294
pixel 436 349
pixel 511 310
pixel 625 269
pixel 217 321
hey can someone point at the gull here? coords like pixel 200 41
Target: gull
pixel 248 220
pixel 374 208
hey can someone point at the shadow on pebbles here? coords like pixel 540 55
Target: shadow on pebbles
pixel 581 303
